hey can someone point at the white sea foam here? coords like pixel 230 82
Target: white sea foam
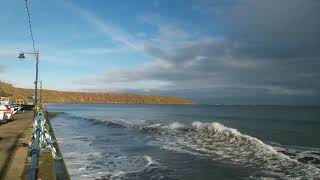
pixel 219 131
pixel 154 125
pixel 219 142
pixel 149 159
pixel 177 125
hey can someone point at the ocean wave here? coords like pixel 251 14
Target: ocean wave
pixel 90 163
pixel 218 142
pixel 177 126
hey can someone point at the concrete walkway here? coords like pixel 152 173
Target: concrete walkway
pixel 14 138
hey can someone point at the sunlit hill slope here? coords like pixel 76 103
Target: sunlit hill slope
pixel 50 96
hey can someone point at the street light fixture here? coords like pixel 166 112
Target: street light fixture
pixel 21 57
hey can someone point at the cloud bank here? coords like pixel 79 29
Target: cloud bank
pixel 268 54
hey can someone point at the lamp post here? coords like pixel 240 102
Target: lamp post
pixel 21 57
pixel 40 93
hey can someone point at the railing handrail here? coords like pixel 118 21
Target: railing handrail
pixel 41 139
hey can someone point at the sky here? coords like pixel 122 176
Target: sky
pixel 211 51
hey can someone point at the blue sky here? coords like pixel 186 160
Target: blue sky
pixel 233 52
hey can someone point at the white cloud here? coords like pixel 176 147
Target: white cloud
pixel 2 69
pixel 232 66
pixel 4 54
pixel 141 34
pixel 97 51
pixel 110 30
pixel 169 34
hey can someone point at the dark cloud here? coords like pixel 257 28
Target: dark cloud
pixel 285 28
pixel 270 54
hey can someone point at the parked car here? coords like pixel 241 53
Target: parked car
pixel 5 113
pixel 14 108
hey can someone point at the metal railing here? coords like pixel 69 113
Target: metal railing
pixel 35 147
pixel 41 140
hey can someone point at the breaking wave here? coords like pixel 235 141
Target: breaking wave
pixel 221 143
pixel 97 165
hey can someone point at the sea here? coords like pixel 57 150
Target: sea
pixel 188 142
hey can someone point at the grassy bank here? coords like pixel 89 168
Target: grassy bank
pixel 50 96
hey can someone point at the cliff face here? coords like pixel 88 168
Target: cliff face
pixel 49 96
pixel 13 93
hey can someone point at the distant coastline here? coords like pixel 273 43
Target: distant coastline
pixel 63 97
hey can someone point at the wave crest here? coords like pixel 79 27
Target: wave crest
pixel 218 142
pixel 226 144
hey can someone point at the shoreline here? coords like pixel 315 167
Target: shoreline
pixel 88 103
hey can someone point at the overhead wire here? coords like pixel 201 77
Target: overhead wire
pixel 30 30
pixel 30 27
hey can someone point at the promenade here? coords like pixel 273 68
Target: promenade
pixel 15 137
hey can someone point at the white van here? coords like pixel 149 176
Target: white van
pixel 5 114
pixel 5 101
